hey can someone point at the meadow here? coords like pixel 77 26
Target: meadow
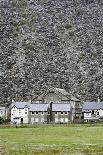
pixel 52 140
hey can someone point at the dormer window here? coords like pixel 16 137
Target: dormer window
pixel 36 112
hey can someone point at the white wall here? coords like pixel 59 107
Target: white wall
pixel 100 112
pixel 20 113
pixel 87 115
pixel 2 112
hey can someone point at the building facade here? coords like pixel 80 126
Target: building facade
pixel 55 105
pixel 20 112
pixel 49 113
pixel 92 111
pixel 61 96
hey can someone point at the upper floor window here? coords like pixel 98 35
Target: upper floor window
pixel 62 112
pixel 42 113
pixel 32 112
pixel 97 112
pixel 36 112
pixel 56 112
pixel 66 112
pixel 87 114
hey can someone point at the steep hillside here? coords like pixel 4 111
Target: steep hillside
pixel 51 42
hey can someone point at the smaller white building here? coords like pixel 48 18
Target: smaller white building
pixel 2 112
pixel 93 111
pixel 20 112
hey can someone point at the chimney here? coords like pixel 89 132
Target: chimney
pixel 13 101
pixel 51 111
pixel 98 100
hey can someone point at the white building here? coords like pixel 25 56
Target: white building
pixel 2 112
pixel 93 111
pixel 19 112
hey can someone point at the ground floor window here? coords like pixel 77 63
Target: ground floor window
pixel 66 120
pixel 61 120
pixel 36 120
pixel 56 120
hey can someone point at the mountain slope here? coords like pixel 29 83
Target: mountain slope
pixel 51 42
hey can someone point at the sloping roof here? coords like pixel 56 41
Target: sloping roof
pixel 39 98
pixel 60 107
pixel 62 91
pixel 39 107
pixel 20 105
pixel 92 105
pixel 101 105
pixel 44 107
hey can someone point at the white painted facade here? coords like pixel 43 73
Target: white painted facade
pixel 2 112
pixel 100 112
pixel 19 115
pixel 87 115
pixel 97 114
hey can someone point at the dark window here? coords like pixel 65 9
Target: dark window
pixel 66 113
pixel 25 112
pixel 42 113
pixel 32 112
pixel 36 112
pixel 48 112
pixel 97 112
pixel 92 112
pixel 56 112
pixel 61 112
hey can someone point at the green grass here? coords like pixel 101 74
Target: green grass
pixel 52 140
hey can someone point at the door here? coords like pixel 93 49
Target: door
pixel 21 120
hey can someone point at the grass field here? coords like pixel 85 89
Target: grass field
pixel 52 140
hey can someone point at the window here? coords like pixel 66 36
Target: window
pixel 56 113
pixel 66 113
pixel 32 113
pixel 97 112
pixel 56 120
pixel 42 120
pixel 36 120
pixel 62 113
pixel 36 112
pixel 66 120
pixel 48 113
pixel 26 113
pixel 61 120
pixel 87 114
pixel 42 113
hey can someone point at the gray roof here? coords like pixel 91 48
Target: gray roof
pixel 92 106
pixel 44 107
pixel 20 105
pixel 38 107
pixel 62 91
pixel 60 107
